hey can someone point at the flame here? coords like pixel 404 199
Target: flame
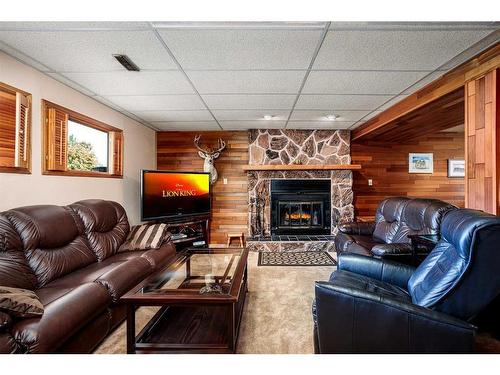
pixel 298 216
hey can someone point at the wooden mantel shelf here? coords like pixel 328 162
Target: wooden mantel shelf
pixel 301 167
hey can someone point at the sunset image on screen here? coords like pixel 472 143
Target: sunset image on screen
pixel 173 194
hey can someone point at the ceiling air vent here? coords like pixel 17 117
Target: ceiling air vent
pixel 127 63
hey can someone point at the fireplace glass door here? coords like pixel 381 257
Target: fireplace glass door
pixel 300 214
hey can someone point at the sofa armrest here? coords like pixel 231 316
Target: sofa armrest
pixel 364 228
pixel 359 321
pixel 5 321
pixel 379 269
pixel 391 250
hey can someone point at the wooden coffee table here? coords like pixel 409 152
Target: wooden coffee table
pixel 201 295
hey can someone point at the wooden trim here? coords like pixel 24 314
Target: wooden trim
pixel 477 66
pixel 305 167
pixel 26 169
pixel 90 122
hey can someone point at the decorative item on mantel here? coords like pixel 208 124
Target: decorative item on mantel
pixel 209 155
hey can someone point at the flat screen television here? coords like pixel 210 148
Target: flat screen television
pixel 173 195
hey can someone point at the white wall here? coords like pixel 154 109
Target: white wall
pixel 22 190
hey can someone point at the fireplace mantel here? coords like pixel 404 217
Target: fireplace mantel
pixel 301 167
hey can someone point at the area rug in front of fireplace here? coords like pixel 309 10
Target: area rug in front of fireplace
pixel 299 258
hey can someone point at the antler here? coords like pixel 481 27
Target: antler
pixel 197 144
pixel 221 145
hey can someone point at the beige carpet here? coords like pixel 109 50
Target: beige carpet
pixel 277 312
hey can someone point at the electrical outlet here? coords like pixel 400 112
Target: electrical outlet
pixel 224 181
pixel 370 182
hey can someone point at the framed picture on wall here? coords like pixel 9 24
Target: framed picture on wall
pixel 421 163
pixel 456 168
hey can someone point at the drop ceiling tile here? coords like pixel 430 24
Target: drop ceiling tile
pixel 90 51
pixel 243 82
pixel 251 115
pixel 71 84
pixel 23 57
pixel 242 48
pixel 133 83
pixel 424 81
pixel 391 102
pixel 394 49
pixel 261 124
pixel 73 25
pixel 341 102
pixel 360 82
pixel 157 102
pixel 343 116
pixel 319 124
pixel 249 101
pixel 155 116
pixel 187 125
pixel 365 119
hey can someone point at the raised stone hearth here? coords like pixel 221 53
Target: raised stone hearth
pixel 305 147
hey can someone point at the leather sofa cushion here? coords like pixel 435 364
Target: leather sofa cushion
pixel 62 318
pixel 122 278
pixel 161 256
pixel 7 344
pixel 387 218
pixel 354 281
pixel 106 225
pixel 14 269
pixel 53 240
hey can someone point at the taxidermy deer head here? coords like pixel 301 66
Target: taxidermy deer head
pixel 209 155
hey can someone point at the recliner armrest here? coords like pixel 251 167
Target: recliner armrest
pixel 359 321
pixel 360 228
pixel 391 249
pixel 379 269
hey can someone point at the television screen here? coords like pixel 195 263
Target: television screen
pixel 172 195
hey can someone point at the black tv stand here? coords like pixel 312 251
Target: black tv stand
pixel 195 228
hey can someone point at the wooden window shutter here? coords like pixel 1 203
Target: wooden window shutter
pixel 57 139
pixel 22 129
pixel 117 153
pixel 7 128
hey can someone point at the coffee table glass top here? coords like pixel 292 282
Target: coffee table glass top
pixel 200 271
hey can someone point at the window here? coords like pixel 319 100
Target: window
pixel 77 145
pixel 15 130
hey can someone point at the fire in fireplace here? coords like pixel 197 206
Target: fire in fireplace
pixel 300 207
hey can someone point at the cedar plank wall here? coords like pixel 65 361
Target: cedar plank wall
pixel 176 151
pixel 387 165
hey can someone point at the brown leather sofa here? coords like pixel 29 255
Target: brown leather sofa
pixel 68 256
pixel 395 219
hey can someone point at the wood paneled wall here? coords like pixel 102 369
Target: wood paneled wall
pixel 176 151
pixel 387 165
pixel 483 141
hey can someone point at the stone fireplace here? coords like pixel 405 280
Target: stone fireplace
pixel 303 147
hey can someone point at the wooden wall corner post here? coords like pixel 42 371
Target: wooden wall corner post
pixel 482 142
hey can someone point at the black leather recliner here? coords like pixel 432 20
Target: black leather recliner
pixel 374 305
pixel 395 219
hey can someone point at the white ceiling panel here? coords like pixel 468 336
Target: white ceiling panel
pixel 201 115
pixel 70 83
pixel 90 51
pixel 376 50
pixel 424 81
pixel 242 49
pixel 249 101
pixel 299 115
pixel 133 83
pixel 158 102
pixel 391 102
pixel 319 124
pixel 341 102
pixel 250 114
pixel 242 125
pixel 187 125
pixel 243 82
pixel 74 25
pixel 360 82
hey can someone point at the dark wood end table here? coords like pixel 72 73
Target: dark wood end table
pixel 201 297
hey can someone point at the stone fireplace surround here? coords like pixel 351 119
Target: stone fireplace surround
pixel 305 147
